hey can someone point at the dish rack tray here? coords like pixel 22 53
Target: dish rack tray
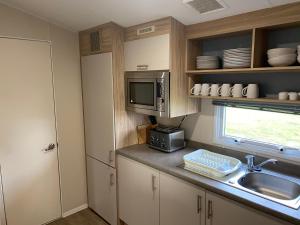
pixel 210 164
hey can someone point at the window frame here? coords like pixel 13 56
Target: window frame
pixel 251 146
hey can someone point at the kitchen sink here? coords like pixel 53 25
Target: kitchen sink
pixel 270 185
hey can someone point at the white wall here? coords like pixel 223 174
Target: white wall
pixel 67 84
pixel 198 127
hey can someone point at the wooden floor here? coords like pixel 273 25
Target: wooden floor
pixel 84 217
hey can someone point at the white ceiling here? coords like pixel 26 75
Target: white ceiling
pixel 78 15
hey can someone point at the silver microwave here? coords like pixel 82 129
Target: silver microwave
pixel 147 92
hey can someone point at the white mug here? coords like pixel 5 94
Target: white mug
pixel 225 90
pixel 236 91
pixel 283 95
pixel 214 90
pixel 205 89
pixel 251 91
pixel 293 96
pixel 196 89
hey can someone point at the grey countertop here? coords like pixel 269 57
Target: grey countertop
pixel 170 163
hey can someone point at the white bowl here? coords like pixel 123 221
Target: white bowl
pixel 284 60
pixel 275 52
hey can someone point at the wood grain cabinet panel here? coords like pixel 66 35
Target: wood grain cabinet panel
pixel 138 187
pixel 180 202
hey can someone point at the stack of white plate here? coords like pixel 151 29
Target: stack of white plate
pixel 298 48
pixel 237 58
pixel 207 62
pixel 282 56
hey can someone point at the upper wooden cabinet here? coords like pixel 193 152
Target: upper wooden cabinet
pixel 152 53
pixel 163 48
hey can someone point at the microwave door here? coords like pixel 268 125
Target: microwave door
pixel 142 93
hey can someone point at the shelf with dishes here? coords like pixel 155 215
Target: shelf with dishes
pixel 263 100
pixel 258 50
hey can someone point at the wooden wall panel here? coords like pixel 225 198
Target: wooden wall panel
pixel 162 26
pixel 125 122
pixel 279 15
pixel 105 32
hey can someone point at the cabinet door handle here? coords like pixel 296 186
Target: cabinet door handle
pixel 154 186
pixel 111 177
pixel 111 156
pixel 209 210
pixel 199 204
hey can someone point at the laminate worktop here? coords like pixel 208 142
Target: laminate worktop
pixel 171 163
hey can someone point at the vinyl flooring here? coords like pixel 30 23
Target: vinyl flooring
pixel 84 217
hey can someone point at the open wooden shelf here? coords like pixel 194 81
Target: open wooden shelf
pixel 247 70
pixel 264 100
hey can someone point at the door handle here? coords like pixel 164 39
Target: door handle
pixel 199 204
pixel 154 186
pixel 111 177
pixel 111 156
pixel 209 210
pixel 50 147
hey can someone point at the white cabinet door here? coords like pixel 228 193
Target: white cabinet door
pixel 97 83
pixel 29 174
pixel 180 202
pixel 153 52
pixel 221 211
pixel 138 193
pixel 102 189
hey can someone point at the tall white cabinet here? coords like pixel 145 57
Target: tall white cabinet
pixel 28 153
pixel 97 84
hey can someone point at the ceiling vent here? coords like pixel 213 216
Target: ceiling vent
pixel 145 30
pixel 206 6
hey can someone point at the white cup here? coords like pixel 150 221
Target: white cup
pixel 205 89
pixel 225 90
pixel 196 90
pixel 236 91
pixel 283 95
pixel 214 90
pixel 251 91
pixel 293 96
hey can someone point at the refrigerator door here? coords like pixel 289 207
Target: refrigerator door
pixel 97 85
pixel 102 190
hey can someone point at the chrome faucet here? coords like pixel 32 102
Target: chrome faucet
pixel 250 163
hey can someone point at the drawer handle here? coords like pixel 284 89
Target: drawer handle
pixel 142 67
pixel 209 210
pixel 111 156
pixel 199 204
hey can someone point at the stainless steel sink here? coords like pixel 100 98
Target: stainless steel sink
pixel 270 185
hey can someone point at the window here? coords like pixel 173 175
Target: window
pixel 258 130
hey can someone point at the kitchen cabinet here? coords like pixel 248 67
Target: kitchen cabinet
pixel 153 53
pixel 97 85
pixel 102 189
pixel 28 153
pixel 138 187
pixel 180 202
pixel 220 211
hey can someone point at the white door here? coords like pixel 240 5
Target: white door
pixel 180 202
pixel 97 82
pixel 138 193
pixel 102 190
pixel 30 175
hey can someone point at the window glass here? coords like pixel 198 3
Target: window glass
pixel 261 126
